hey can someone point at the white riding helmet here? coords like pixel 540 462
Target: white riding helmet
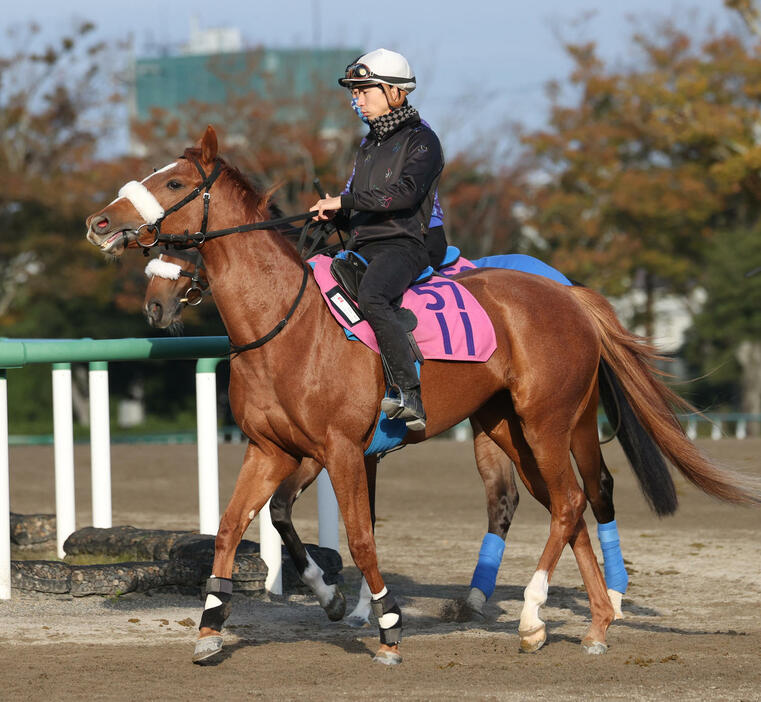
pixel 379 66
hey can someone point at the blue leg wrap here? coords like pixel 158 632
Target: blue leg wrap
pixel 489 559
pixel 616 577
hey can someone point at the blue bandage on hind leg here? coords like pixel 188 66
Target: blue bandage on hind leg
pixel 616 577
pixel 489 559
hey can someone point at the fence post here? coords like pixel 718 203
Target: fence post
pixel 100 445
pixel 63 432
pixel 327 512
pixel 208 450
pixel 741 431
pixel 5 497
pixel 716 430
pixel 692 429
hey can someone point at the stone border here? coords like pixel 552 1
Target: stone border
pixel 126 559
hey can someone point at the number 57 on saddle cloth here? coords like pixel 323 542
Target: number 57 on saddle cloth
pixel 451 324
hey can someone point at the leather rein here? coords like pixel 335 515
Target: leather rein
pixel 197 239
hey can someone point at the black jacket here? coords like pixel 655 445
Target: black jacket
pixel 394 184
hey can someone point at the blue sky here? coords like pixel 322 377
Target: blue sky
pixel 478 64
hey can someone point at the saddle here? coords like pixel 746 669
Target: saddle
pixel 348 267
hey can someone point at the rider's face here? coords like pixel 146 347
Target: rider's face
pixel 371 100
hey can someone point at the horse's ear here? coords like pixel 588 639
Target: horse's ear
pixel 209 145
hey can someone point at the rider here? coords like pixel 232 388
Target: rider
pixel 436 239
pixel 396 171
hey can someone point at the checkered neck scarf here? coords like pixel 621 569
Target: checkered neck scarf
pixel 385 124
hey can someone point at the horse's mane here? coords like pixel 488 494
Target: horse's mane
pixel 257 200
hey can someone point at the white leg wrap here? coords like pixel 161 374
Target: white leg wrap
pixel 312 577
pixel 363 609
pixel 616 599
pixel 381 594
pixel 534 596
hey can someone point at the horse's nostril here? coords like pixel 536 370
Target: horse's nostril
pixel 100 222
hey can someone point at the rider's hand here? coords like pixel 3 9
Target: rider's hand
pixel 326 208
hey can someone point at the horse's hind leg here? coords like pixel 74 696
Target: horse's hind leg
pixel 496 471
pixel 598 487
pixel 261 473
pixel 545 467
pixel 331 599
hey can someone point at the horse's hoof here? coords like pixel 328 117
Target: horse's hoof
pixel 336 608
pixel 594 648
pixel 615 599
pixel 473 607
pixel 356 621
pixel 532 641
pixel 473 615
pixel 207 647
pixel 387 658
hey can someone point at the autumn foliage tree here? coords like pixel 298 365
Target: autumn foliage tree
pixel 648 164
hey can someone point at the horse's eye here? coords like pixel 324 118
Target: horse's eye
pixel 174 185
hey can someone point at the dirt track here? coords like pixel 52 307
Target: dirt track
pixel 692 628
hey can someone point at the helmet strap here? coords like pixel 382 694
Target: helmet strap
pixel 394 102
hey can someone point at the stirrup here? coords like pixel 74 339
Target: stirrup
pixel 406 405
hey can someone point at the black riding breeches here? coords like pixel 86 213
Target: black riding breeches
pixel 393 265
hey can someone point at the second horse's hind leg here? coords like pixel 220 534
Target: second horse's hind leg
pixel 598 487
pixel 331 599
pixel 497 474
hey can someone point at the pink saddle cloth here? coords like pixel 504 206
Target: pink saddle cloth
pixel 451 326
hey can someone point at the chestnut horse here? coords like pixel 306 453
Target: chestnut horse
pixel 178 278
pixel 288 389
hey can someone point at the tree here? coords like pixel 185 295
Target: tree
pixel 724 345
pixel 648 164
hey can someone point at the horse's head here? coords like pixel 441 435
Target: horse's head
pixel 177 278
pixel 142 207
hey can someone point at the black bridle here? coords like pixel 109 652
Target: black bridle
pixel 197 239
pixel 199 286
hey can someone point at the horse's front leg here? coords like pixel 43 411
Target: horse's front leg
pixel 262 471
pixel 331 599
pixel 360 615
pixel 344 463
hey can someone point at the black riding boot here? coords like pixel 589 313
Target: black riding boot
pixel 407 405
pixel 403 400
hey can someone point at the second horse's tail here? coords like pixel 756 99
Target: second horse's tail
pixel 630 358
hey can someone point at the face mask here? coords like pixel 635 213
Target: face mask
pixel 357 109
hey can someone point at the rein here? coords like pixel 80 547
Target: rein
pixel 197 240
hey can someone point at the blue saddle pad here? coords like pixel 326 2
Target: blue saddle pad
pixel 521 262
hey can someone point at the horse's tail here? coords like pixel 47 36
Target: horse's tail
pixel 630 358
pixel 643 454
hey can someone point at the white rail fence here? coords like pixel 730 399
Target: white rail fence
pixel 61 353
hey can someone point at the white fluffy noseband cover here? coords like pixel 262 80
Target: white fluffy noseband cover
pixel 162 269
pixel 145 203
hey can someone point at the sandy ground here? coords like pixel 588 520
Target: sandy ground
pixel 692 629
